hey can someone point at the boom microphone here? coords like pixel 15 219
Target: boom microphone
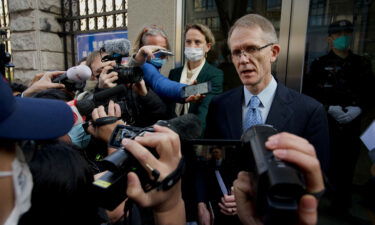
pixel 119 46
pixel 79 73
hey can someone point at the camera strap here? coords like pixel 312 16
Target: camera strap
pixel 172 178
pixel 105 120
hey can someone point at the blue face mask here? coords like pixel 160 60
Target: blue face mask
pixel 79 137
pixel 342 43
pixel 158 62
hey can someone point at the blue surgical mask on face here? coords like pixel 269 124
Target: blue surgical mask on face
pixel 342 43
pixel 157 62
pixel 79 137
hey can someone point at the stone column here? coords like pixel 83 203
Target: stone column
pixel 36 45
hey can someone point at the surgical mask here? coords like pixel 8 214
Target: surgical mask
pixel 194 54
pixel 79 137
pixel 158 62
pixel 23 185
pixel 342 43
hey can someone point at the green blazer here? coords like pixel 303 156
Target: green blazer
pixel 208 73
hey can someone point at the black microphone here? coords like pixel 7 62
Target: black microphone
pixel 187 126
pixel 87 105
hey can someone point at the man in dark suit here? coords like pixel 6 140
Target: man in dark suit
pixel 253 44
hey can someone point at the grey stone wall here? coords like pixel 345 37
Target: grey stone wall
pixel 36 46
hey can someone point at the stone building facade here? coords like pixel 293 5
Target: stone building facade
pixel 36 45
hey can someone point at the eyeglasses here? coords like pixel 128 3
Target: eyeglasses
pixel 250 50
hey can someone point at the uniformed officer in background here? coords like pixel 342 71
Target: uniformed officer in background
pixel 344 83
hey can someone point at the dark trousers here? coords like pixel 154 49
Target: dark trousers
pixel 345 151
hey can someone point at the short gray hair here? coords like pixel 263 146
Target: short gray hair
pixel 253 20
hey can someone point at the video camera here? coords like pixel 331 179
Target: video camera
pixel 278 185
pixel 110 188
pixel 126 75
pixel 5 57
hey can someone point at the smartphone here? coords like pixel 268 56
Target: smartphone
pixel 202 88
pixel 162 53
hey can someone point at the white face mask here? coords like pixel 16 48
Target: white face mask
pixel 23 185
pixel 194 54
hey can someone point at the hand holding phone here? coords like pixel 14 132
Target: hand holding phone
pixel 201 88
pixel 161 53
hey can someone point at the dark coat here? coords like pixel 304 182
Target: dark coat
pixel 290 112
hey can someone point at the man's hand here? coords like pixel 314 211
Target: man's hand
pixel 140 88
pixel 104 132
pixel 146 53
pixel 204 215
pixel 168 206
pixel 106 79
pixel 43 82
pixel 228 205
pixel 298 151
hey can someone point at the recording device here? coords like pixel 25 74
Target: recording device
pixel 5 57
pixel 201 88
pixel 117 49
pixel 75 78
pixel 278 185
pixel 89 103
pixel 110 188
pixel 161 53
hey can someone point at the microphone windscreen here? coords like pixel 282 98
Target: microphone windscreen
pixel 85 107
pixel 120 46
pixel 187 126
pixel 106 94
pixel 79 73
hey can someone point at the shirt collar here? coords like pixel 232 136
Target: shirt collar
pixel 265 96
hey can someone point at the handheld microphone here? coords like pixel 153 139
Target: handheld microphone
pixel 74 78
pixel 86 106
pixel 119 46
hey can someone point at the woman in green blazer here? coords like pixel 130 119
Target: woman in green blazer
pixel 198 42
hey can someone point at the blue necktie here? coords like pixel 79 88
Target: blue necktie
pixel 253 115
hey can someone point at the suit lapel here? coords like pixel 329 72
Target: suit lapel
pixel 280 112
pixel 233 113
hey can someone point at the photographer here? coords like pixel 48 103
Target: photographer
pixel 293 149
pixel 143 107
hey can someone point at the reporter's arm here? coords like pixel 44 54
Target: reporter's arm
pixel 161 84
pixel 45 82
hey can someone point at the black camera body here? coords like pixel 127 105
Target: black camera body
pixel 110 188
pixel 278 185
pixel 127 75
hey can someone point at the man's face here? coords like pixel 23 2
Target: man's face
pixel 97 66
pixel 345 42
pixel 253 69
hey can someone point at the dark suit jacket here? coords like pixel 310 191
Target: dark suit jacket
pixel 290 111
pixel 208 73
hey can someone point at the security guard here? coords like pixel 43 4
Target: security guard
pixel 344 83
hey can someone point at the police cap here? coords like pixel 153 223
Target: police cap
pixel 340 25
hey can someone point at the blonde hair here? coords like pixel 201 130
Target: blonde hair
pixel 253 20
pixel 210 39
pixel 152 30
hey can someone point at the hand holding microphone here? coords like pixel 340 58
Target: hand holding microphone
pixel 74 78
